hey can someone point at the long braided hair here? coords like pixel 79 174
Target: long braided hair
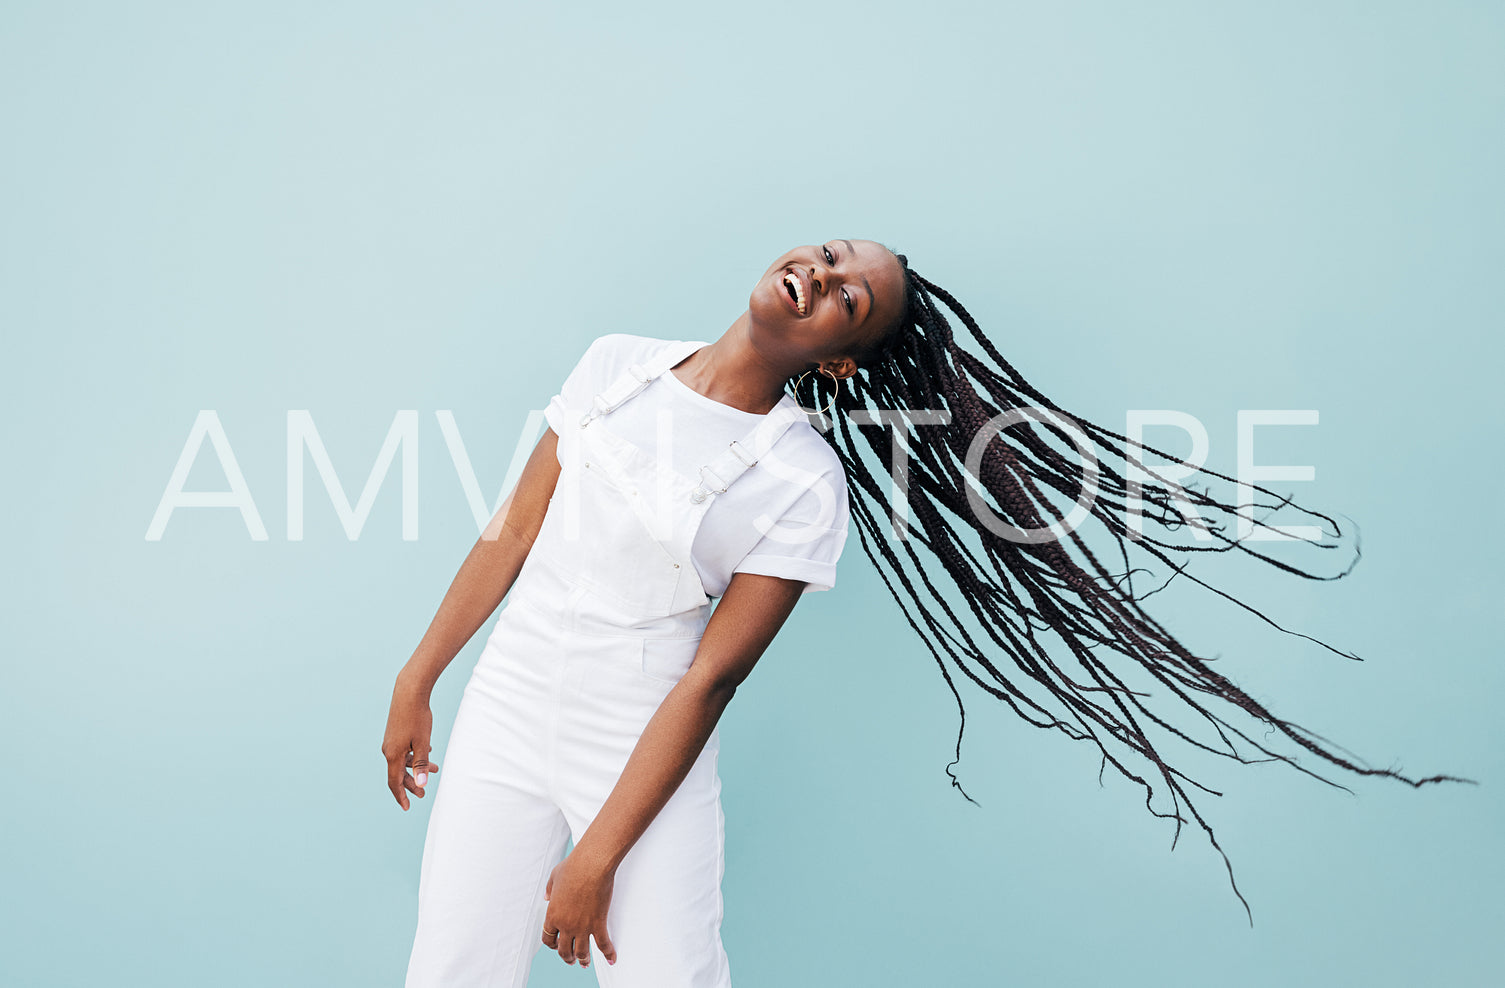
pixel 1016 587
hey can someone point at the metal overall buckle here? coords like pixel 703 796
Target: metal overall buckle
pixel 742 454
pixel 701 491
pixel 599 405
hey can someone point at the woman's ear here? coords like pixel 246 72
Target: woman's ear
pixel 840 368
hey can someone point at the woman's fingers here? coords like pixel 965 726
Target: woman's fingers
pixel 415 783
pixel 565 942
pixel 397 775
pixel 398 779
pixel 572 948
pixel 604 942
pixel 420 761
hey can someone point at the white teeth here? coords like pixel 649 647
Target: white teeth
pixel 799 291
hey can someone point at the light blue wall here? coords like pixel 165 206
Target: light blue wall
pixel 360 208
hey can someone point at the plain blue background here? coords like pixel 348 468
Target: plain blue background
pixel 358 208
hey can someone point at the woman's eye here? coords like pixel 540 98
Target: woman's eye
pixel 848 299
pixel 827 251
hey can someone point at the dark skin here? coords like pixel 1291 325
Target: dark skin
pixel 853 294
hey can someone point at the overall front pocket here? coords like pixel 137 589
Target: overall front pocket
pixel 666 660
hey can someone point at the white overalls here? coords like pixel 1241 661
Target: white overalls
pixel 605 616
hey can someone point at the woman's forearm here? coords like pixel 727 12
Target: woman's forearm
pixel 741 628
pixel 484 579
pixel 667 748
pixel 489 570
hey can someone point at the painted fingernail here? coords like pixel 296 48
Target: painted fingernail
pixel 423 778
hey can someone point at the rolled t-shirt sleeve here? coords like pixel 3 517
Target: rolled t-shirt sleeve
pixel 806 540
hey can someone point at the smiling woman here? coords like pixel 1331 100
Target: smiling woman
pixel 677 509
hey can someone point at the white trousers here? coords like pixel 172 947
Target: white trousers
pixel 545 726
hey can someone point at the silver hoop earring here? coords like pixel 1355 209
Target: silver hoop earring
pixel 830 404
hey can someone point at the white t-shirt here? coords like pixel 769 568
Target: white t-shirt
pixel 800 483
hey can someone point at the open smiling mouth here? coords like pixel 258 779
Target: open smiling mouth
pixel 796 291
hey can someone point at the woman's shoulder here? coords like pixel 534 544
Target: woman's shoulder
pixel 610 355
pixel 804 446
pixel 627 347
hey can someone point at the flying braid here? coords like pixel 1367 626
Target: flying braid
pixel 1002 593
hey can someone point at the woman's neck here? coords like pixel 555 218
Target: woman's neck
pixel 734 373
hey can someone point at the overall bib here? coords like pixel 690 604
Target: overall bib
pixel 605 617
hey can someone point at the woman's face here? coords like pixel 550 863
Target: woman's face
pixel 828 300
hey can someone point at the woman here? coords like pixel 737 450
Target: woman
pixel 677 472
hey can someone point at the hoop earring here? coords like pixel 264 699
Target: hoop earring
pixel 830 404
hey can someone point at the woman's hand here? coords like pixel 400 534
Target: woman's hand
pixel 579 893
pixel 409 725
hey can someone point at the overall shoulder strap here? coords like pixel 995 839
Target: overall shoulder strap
pixel 632 381
pixel 741 455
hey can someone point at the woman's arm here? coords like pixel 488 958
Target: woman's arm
pixel 488 572
pixel 484 579
pixel 750 613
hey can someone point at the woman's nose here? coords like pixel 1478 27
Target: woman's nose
pixel 820 278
